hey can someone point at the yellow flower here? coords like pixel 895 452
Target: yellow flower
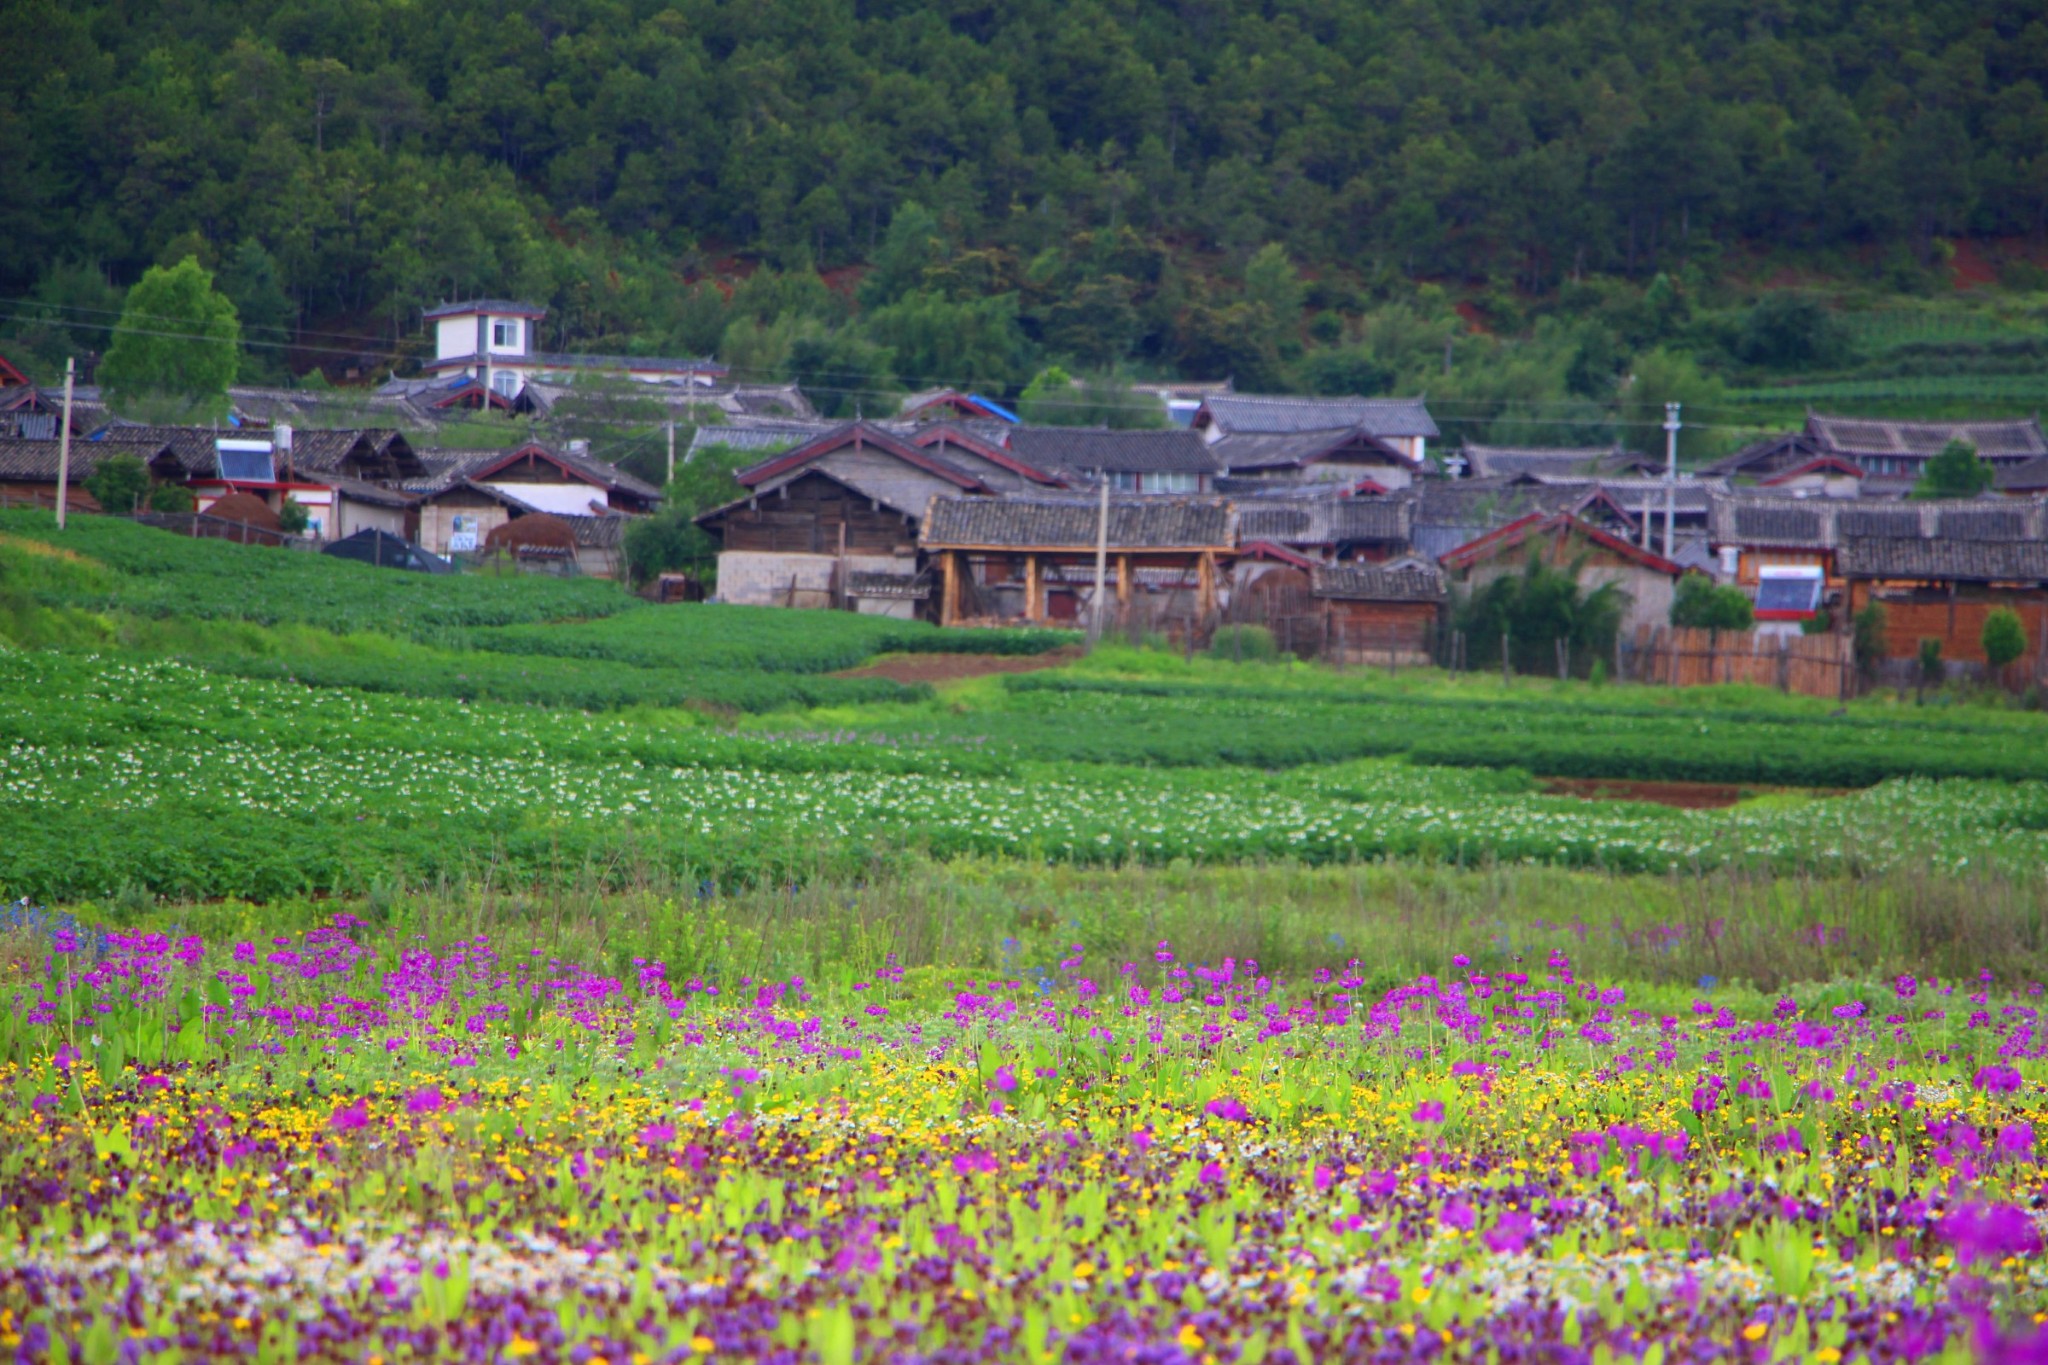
pixel 703 1345
pixel 1827 1355
pixel 521 1348
pixel 1755 1331
pixel 1189 1338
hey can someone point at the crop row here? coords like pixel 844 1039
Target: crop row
pixel 191 784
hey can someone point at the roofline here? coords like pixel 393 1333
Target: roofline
pixel 989 451
pixel 826 474
pixel 1409 463
pixel 472 309
pixel 1521 528
pixel 862 433
pixel 1834 462
pixel 1263 549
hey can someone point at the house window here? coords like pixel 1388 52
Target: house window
pixel 1177 482
pixel 1123 482
pixel 504 382
pixel 505 336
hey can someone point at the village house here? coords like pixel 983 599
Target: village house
pixel 1343 459
pixel 490 343
pixel 1402 424
pixel 469 494
pixel 1329 530
pixel 1453 512
pixel 1888 453
pixel 1033 559
pixel 1939 574
pixel 846 503
pixel 1377 614
pixel 1175 461
pixel 950 405
pixel 1560 463
pixel 1561 540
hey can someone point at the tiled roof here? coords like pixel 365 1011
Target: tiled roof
pixel 1070 523
pixel 36 460
pixel 1575 461
pixel 1823 523
pixel 1120 452
pixel 374 494
pixel 1240 412
pixel 1517 533
pixel 1488 502
pixel 192 446
pixel 1281 450
pixel 2030 477
pixel 1371 583
pixel 1325 521
pixel 596 533
pixel 1967 560
pixel 757 435
pixel 325 449
pixel 2010 439
pixel 1688 495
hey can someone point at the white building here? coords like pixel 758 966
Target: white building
pixel 493 340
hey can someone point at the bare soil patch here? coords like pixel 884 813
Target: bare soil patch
pixel 938 668
pixel 1686 795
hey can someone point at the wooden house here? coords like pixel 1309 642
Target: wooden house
pixel 1379 614
pixel 847 502
pixel 1033 559
pixel 1348 456
pixel 949 405
pixel 1330 530
pixel 1939 569
pixel 1562 540
pixel 1561 463
pixel 1888 453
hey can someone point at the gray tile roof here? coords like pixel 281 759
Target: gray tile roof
pixel 1325 521
pixel 451 310
pixel 2031 477
pixel 1137 523
pixel 1243 412
pixel 1966 560
pixel 2010 439
pixel 767 437
pixel 1825 523
pixel 35 461
pixel 1282 450
pixel 1563 461
pixel 1371 583
pixel 1176 451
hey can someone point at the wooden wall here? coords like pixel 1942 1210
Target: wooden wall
pixel 1682 656
pixel 808 521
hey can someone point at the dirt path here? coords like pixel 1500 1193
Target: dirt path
pixel 1686 795
pixel 939 668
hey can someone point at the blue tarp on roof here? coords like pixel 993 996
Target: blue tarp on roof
pixel 997 408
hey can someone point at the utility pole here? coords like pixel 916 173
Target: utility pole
pixel 1102 559
pixel 64 444
pixel 1670 475
pixel 671 450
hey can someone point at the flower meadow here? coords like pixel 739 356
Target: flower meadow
pixel 187 783
pixel 351 1145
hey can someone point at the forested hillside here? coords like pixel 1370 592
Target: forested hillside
pixel 1210 187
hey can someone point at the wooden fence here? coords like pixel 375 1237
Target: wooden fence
pixel 1677 656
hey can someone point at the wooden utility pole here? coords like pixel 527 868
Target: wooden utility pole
pixel 1671 425
pixel 64 443
pixel 1102 560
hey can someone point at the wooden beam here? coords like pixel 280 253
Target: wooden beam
pixel 1031 587
pixel 949 590
pixel 1205 592
pixel 1123 581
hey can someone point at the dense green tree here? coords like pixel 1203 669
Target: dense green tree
pixel 1955 473
pixel 177 338
pixel 1785 331
pixel 1536 610
pixel 1706 605
pixel 2004 639
pixel 118 483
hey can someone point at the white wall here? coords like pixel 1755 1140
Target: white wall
pixel 759 578
pixel 454 336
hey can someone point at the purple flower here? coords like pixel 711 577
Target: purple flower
pixel 1905 987
pixel 1004 1081
pixel 1458 1214
pixel 658 1134
pixel 354 1116
pixel 1429 1111
pixel 1228 1107
pixel 1998 1079
pixel 1989 1232
pixel 1509 1234
pixel 426 1100
pixel 2017 1140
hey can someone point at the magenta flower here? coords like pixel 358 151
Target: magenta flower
pixel 1458 1214
pixel 1509 1234
pixel 1141 1139
pixel 1989 1232
pixel 350 1118
pixel 1004 1081
pixel 658 1134
pixel 1228 1107
pixel 1429 1111
pixel 2002 1080
pixel 427 1099
pixel 2017 1140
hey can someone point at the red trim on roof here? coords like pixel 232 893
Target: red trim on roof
pixel 1831 463
pixel 1266 549
pixel 1784 614
pixel 958 402
pixel 10 375
pixel 534 448
pixel 497 399
pixel 1519 530
pixel 859 433
pixel 1367 488
pixel 988 450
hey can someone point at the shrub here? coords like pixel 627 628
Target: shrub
pixel 293 518
pixel 1930 661
pixel 171 497
pixel 1872 628
pixel 118 483
pixel 1253 643
pixel 2004 638
pixel 1706 605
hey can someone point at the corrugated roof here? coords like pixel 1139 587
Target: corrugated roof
pixel 1964 560
pixel 1274 414
pixel 1175 451
pixel 1135 523
pixel 1372 583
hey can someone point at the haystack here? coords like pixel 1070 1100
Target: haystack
pixel 536 533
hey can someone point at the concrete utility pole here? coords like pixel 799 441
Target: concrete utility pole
pixel 671 450
pixel 1102 560
pixel 1670 475
pixel 64 444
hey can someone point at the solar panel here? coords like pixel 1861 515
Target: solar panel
pixel 1789 594
pixel 246 466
